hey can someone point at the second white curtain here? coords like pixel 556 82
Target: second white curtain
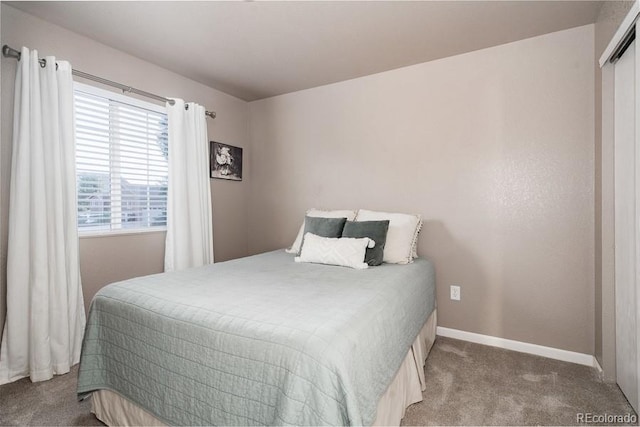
pixel 189 240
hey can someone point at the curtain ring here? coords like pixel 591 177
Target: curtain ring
pixel 186 106
pixel 43 63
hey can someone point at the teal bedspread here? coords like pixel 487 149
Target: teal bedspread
pixel 260 340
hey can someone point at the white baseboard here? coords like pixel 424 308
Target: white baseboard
pixel 596 365
pixel 522 347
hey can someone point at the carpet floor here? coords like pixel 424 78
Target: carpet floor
pixel 467 384
pixel 473 384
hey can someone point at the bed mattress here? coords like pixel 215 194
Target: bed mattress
pixel 258 340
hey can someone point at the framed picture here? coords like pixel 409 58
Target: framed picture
pixel 225 161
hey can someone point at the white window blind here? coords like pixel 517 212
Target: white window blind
pixel 121 162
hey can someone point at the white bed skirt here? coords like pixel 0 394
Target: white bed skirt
pixel 405 389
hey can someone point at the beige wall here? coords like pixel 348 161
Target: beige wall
pixel 105 259
pixel 611 15
pixel 494 148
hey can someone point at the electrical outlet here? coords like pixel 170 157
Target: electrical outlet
pixel 455 292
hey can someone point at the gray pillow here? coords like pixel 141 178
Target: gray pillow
pixel 323 227
pixel 375 230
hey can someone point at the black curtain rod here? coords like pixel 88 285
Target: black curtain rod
pixel 9 52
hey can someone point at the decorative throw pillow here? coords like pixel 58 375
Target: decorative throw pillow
pixel 323 227
pixel 375 230
pixel 350 215
pixel 402 236
pixel 344 252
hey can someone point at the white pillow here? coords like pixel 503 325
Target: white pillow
pixel 402 237
pixel 344 251
pixel 350 215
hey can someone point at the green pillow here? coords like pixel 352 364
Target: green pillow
pixel 323 227
pixel 375 230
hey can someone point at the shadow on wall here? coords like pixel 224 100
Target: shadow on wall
pixel 481 302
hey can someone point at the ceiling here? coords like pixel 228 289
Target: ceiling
pixel 254 50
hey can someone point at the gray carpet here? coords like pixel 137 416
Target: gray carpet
pixel 472 384
pixel 468 384
pixel 46 403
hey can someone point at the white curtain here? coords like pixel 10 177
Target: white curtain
pixel 189 229
pixel 45 309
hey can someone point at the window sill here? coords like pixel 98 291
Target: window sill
pixel 114 233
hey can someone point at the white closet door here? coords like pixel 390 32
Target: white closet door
pixel 636 288
pixel 627 207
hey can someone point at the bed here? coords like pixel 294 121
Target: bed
pixel 260 340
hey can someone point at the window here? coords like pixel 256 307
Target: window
pixel 121 162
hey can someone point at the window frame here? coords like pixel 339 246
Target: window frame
pixel 135 102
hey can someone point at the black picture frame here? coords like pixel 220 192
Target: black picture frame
pixel 225 161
